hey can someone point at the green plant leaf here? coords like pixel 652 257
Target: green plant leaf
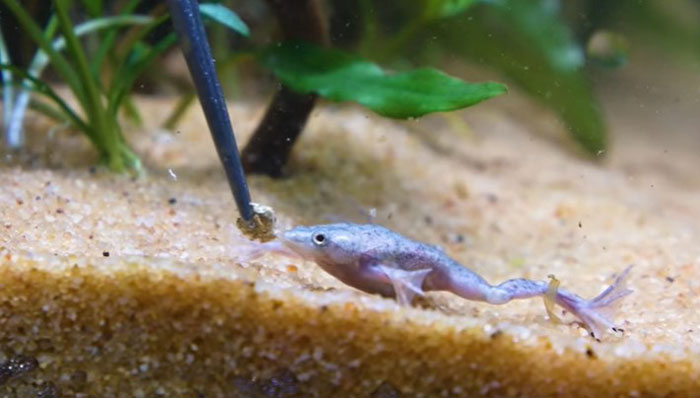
pixel 339 76
pixel 108 40
pixel 134 65
pixel 59 62
pixel 434 9
pixel 93 7
pixel 89 83
pixel 224 16
pixel 30 82
pixel 40 60
pixel 539 23
pixel 8 95
pixel 529 44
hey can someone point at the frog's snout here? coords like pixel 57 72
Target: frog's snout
pixel 292 237
pixel 297 239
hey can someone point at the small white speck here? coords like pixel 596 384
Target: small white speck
pixel 173 176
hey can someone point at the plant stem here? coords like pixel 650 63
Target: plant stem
pixel 369 24
pixel 179 110
pixel 271 143
pixel 268 149
pixel 92 101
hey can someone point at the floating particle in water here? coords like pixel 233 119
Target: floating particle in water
pixel 172 201
pixel 17 366
pixel 173 176
pixel 105 254
pixel 372 213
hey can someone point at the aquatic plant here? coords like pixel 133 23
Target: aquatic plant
pixel 321 71
pixel 531 42
pixel 99 100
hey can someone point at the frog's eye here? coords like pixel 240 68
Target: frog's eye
pixel 319 239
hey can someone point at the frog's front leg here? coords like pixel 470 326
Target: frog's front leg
pixel 406 284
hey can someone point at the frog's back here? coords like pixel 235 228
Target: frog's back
pixel 385 244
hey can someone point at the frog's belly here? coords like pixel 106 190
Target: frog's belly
pixel 368 282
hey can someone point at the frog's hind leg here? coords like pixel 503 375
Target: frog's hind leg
pixel 597 313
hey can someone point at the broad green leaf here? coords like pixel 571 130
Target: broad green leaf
pixel 224 16
pixel 339 76
pixel 539 22
pixel 506 35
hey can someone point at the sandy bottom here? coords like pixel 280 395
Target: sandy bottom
pixel 121 286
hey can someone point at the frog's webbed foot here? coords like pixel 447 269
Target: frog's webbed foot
pixel 407 284
pixel 597 314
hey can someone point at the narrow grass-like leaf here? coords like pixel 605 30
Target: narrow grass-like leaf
pixel 48 110
pixel 40 60
pixel 60 63
pixel 339 76
pixel 225 17
pixel 137 63
pixel 92 100
pixel 32 83
pixel 16 122
pixel 127 47
pixel 93 7
pixel 179 110
pixel 7 91
pixel 108 40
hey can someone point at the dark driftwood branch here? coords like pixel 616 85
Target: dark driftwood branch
pixel 269 147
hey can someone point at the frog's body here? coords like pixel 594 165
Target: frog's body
pixel 377 260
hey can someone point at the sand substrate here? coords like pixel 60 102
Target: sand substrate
pixel 112 286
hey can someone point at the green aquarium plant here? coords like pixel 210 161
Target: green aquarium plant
pixel 365 51
pixel 528 41
pixel 81 69
pixel 98 101
pixel 306 68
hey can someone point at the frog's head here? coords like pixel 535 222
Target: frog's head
pixel 325 244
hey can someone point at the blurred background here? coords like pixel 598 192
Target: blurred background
pixel 584 60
